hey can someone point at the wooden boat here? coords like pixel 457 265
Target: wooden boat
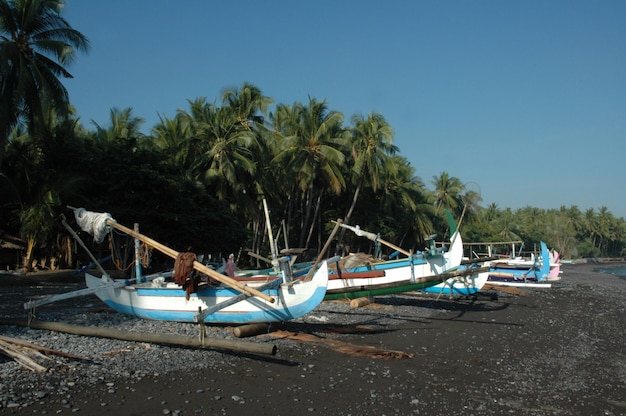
pixel 555 266
pixel 165 300
pixel 415 272
pixel 522 272
pixel 221 299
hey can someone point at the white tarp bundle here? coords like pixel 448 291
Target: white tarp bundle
pixel 361 233
pixel 95 223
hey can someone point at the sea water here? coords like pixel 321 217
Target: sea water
pixel 616 271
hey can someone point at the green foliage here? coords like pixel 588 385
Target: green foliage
pixel 586 249
pixel 36 44
pixel 198 183
pixel 136 186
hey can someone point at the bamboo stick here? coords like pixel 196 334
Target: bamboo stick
pixel 270 236
pixel 156 338
pixel 374 237
pixel 27 344
pixel 14 352
pixel 82 244
pixel 322 253
pixel 196 264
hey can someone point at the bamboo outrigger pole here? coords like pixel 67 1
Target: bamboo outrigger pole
pixel 232 283
pixel 82 244
pixel 196 264
pixel 322 253
pixel 374 237
pixel 271 237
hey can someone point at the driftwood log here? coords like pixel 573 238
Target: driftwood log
pixel 25 353
pixel 345 348
pixel 251 330
pixel 168 339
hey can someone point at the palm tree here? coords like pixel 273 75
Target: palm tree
pixel 123 126
pixel 36 44
pixel 171 137
pixel 35 185
pixel 248 102
pixel 311 151
pixel 508 226
pixel 591 226
pixel 371 146
pixel 405 199
pixel 448 191
pixel 224 152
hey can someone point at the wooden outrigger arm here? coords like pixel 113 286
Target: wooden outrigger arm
pixel 232 283
pixel 371 236
pixel 31 304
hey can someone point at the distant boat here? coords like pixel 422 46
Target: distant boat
pixel 555 266
pixel 520 272
pixel 415 272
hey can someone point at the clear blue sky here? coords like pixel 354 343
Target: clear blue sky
pixel 525 101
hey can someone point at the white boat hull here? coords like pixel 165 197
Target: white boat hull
pixel 407 271
pixel 167 301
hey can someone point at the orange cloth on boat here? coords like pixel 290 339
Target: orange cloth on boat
pixel 183 269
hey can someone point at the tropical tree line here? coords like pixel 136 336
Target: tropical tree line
pixel 198 181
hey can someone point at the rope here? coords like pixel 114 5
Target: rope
pixel 145 254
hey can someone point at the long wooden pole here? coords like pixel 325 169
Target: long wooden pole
pixel 86 291
pixel 82 244
pixel 268 224
pixel 388 244
pixel 374 237
pixel 196 264
pixel 156 338
pixel 322 253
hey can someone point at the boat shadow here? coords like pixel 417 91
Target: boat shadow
pixel 471 303
pixel 260 358
pixel 365 327
pixel 399 308
pixel 458 308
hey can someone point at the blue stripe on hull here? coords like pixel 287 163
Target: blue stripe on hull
pixel 465 291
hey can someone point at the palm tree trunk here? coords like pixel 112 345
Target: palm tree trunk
pixel 312 227
pixel 355 197
pixel 307 215
pixel 30 245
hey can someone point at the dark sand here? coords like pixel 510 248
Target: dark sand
pixel 558 351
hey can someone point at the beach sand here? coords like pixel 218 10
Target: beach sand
pixel 557 351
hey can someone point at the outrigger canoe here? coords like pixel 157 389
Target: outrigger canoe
pixel 533 273
pixel 220 299
pixel 165 300
pixel 415 272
